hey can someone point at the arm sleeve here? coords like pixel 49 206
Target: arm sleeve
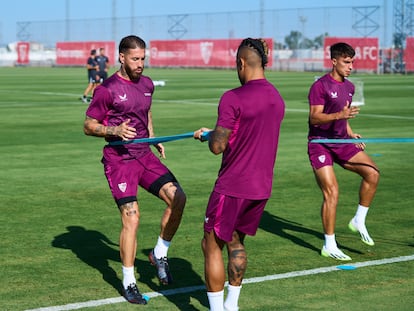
pixel 100 105
pixel 316 94
pixel 228 111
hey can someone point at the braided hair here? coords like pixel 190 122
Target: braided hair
pixel 259 46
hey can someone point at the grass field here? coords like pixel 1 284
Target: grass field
pixel 59 225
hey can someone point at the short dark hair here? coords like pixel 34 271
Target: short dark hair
pixel 93 52
pixel 259 46
pixel 341 49
pixel 131 42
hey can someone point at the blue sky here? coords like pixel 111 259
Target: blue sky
pixel 12 11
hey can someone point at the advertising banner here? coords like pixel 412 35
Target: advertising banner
pixel 218 53
pixel 366 52
pixel 409 54
pixel 23 49
pixel 77 53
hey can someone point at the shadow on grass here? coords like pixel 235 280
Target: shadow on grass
pixel 179 292
pixel 96 250
pixel 281 227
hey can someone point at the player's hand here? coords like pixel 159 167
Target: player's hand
pixel 348 112
pixel 161 150
pixel 199 134
pixel 360 145
pixel 125 131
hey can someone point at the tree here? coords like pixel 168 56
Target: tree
pixel 293 40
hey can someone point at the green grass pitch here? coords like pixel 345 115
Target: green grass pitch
pixel 59 225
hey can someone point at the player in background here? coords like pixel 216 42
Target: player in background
pixel 92 68
pixel 103 63
pixel 247 135
pixel 330 100
pixel 121 110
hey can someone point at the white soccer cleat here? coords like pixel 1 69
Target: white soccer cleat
pixel 335 253
pixel 354 227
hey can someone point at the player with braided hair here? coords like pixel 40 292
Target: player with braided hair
pixel 247 134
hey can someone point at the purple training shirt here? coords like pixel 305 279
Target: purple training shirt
pixel 333 95
pixel 254 113
pixel 118 99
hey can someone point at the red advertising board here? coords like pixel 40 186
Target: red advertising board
pixel 409 54
pixel 197 53
pixel 77 53
pixel 23 49
pixel 366 52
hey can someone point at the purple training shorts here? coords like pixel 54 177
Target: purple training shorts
pixel 125 174
pixel 227 214
pixel 321 155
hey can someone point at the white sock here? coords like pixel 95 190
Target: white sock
pixel 361 214
pixel 128 276
pixel 232 300
pixel 161 249
pixel 330 242
pixel 215 299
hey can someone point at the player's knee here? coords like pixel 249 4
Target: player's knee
pixel 179 196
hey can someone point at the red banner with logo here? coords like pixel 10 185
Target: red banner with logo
pixel 366 52
pixel 409 54
pixel 77 53
pixel 23 49
pixel 219 53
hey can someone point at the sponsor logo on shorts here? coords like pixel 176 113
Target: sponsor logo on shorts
pixel 322 158
pixel 147 94
pixel 122 186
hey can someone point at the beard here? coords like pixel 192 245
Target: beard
pixel 133 74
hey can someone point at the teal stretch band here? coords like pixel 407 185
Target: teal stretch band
pixel 361 140
pixel 156 140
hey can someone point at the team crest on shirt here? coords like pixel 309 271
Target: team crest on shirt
pixel 322 158
pixel 123 98
pixel 122 186
pixel 334 94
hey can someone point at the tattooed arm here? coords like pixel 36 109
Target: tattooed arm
pixel 93 127
pixel 219 139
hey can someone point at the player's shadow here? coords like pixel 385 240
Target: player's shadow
pixel 282 227
pixel 187 283
pixel 94 249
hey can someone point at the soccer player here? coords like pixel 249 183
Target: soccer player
pixel 121 110
pixel 103 63
pixel 330 100
pixel 247 134
pixel 92 67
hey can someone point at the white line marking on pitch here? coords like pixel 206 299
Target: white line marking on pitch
pixel 182 290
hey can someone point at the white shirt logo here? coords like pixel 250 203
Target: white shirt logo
pixel 123 98
pixel 334 94
pixel 322 158
pixel 206 220
pixel 122 186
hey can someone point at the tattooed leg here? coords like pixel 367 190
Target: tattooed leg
pixel 237 263
pixel 128 236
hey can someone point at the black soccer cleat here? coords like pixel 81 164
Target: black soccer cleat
pixel 163 269
pixel 132 295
